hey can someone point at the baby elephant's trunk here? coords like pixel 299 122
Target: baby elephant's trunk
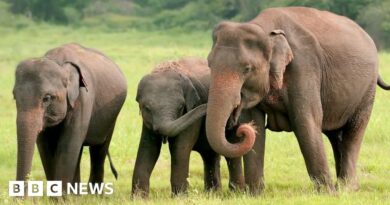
pixel 173 128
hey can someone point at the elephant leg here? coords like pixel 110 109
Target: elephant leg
pixel 180 149
pixel 71 140
pixel 335 140
pixel 312 148
pixel 67 155
pixel 67 163
pixel 98 155
pixel 254 159
pixel 351 141
pixel 307 126
pixel 254 168
pixel 236 177
pixel 77 177
pixel 148 153
pixel 180 156
pixel 212 176
pixel 46 148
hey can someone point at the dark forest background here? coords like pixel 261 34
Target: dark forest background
pixel 189 15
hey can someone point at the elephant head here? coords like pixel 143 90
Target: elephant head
pixel 245 62
pixel 45 91
pixel 170 102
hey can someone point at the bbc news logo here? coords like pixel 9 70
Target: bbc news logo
pixel 54 188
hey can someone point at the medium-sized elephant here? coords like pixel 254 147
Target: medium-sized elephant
pixel 67 99
pixel 171 100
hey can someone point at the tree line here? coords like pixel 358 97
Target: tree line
pixel 372 15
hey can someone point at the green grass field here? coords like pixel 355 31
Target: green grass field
pixel 136 52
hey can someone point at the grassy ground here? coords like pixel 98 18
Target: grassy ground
pixel 287 181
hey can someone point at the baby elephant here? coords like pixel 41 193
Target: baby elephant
pixel 67 99
pixel 171 100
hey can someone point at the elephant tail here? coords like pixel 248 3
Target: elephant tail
pixel 112 165
pixel 382 83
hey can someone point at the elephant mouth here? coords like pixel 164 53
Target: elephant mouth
pixel 52 121
pixel 234 116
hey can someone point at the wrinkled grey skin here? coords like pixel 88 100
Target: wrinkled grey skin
pixel 171 101
pixel 310 71
pixel 67 99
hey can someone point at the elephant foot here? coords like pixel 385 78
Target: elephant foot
pixel 323 184
pixel 213 187
pixel 139 193
pixel 237 186
pixel 181 193
pixel 256 190
pixel 326 189
pixel 179 190
pixel 212 181
pixel 347 185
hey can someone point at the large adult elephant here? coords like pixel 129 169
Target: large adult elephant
pixel 67 99
pixel 311 71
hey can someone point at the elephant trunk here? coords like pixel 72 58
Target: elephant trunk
pixel 224 99
pixel 29 125
pixel 173 128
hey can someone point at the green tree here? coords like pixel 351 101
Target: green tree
pixel 47 10
pixel 375 19
pixel 350 8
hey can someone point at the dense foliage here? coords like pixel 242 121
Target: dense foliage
pixel 373 15
pixel 60 11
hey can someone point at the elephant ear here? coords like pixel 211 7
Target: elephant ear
pixel 192 93
pixel 145 80
pixel 281 56
pixel 75 81
pixel 68 56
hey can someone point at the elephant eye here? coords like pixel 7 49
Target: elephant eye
pixel 247 69
pixel 181 109
pixel 146 108
pixel 47 98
